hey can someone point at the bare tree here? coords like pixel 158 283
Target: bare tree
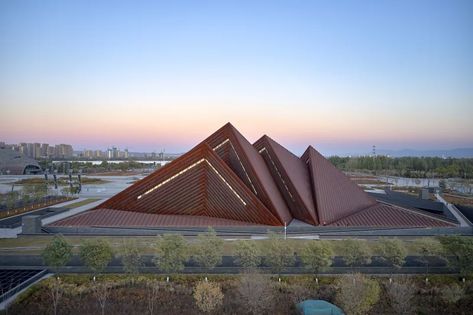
pixel 152 290
pixel 101 291
pixel 356 293
pixel 55 292
pixel 255 292
pixel 452 293
pixel 299 293
pixel 208 296
pixel 401 295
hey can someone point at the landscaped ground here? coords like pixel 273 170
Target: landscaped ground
pixel 459 200
pixel 176 297
pixel 35 206
pixel 62 181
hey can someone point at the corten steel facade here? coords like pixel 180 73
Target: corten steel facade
pixel 227 181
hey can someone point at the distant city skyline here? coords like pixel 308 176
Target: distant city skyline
pixel 147 75
pixel 30 149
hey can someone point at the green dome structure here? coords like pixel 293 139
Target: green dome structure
pixel 318 307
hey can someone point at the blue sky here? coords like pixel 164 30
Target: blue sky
pixel 340 75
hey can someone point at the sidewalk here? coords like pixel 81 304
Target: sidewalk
pixel 72 212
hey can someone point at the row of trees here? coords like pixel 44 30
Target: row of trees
pixel 172 252
pixel 408 166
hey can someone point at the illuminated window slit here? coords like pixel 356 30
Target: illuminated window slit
pixel 187 169
pixel 218 146
pixel 244 170
pixel 277 171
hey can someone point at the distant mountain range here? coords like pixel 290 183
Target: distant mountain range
pixel 454 153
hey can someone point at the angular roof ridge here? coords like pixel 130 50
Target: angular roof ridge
pixel 336 196
pixel 292 176
pixel 265 187
pixel 199 197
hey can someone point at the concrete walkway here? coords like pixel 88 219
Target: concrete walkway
pixel 13 233
pixel 456 213
pixel 71 212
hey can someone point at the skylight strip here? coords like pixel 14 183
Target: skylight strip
pixel 187 169
pixel 171 178
pixel 218 146
pixel 244 170
pixel 277 171
pixel 223 179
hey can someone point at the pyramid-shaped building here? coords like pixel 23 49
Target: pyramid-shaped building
pixel 227 181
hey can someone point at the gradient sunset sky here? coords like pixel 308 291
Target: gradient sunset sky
pixel 147 75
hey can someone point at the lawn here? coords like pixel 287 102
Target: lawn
pixel 62 181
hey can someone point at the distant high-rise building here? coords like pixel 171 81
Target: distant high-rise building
pixel 44 149
pixel 29 149
pixel 36 150
pixel 64 151
pixel 50 151
pixel 115 153
pixel 88 154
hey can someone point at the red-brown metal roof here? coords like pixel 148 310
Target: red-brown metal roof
pixel 336 196
pixel 384 215
pixel 250 167
pixel 292 176
pixel 225 181
pixel 120 218
pixel 198 183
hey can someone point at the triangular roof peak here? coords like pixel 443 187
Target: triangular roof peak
pixel 292 176
pixel 197 183
pixel 336 196
pixel 250 167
